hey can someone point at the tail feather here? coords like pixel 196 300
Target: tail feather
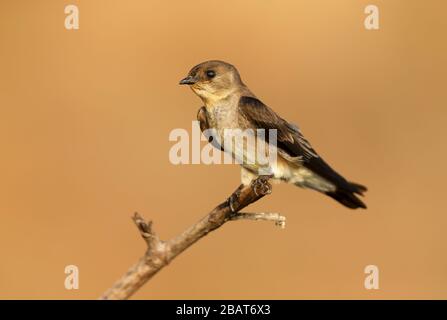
pixel 348 197
pixel 360 188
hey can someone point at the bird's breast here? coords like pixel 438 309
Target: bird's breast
pixel 222 117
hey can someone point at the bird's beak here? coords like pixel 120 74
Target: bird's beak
pixel 188 80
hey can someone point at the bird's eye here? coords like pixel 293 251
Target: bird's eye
pixel 210 74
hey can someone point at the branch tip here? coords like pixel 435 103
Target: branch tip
pixel 145 229
pixel 265 216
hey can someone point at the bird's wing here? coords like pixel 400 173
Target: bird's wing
pixel 289 139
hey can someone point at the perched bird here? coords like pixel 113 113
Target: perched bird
pixel 229 104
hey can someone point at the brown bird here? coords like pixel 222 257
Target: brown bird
pixel 230 105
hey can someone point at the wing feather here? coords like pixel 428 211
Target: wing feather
pixel 290 140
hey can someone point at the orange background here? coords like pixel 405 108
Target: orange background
pixel 84 123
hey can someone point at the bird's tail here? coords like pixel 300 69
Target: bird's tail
pixel 347 197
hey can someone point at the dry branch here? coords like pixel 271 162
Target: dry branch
pixel 159 253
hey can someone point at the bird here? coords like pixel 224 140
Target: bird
pixel 230 104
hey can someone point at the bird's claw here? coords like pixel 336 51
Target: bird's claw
pixel 261 186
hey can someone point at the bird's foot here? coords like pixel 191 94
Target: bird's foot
pixel 261 185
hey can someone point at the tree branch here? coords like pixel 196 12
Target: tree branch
pixel 159 253
pixel 266 216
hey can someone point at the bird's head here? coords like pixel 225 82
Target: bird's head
pixel 213 80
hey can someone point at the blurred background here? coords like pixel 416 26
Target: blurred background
pixel 85 117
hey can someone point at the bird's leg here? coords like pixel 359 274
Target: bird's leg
pixel 233 200
pixel 261 185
